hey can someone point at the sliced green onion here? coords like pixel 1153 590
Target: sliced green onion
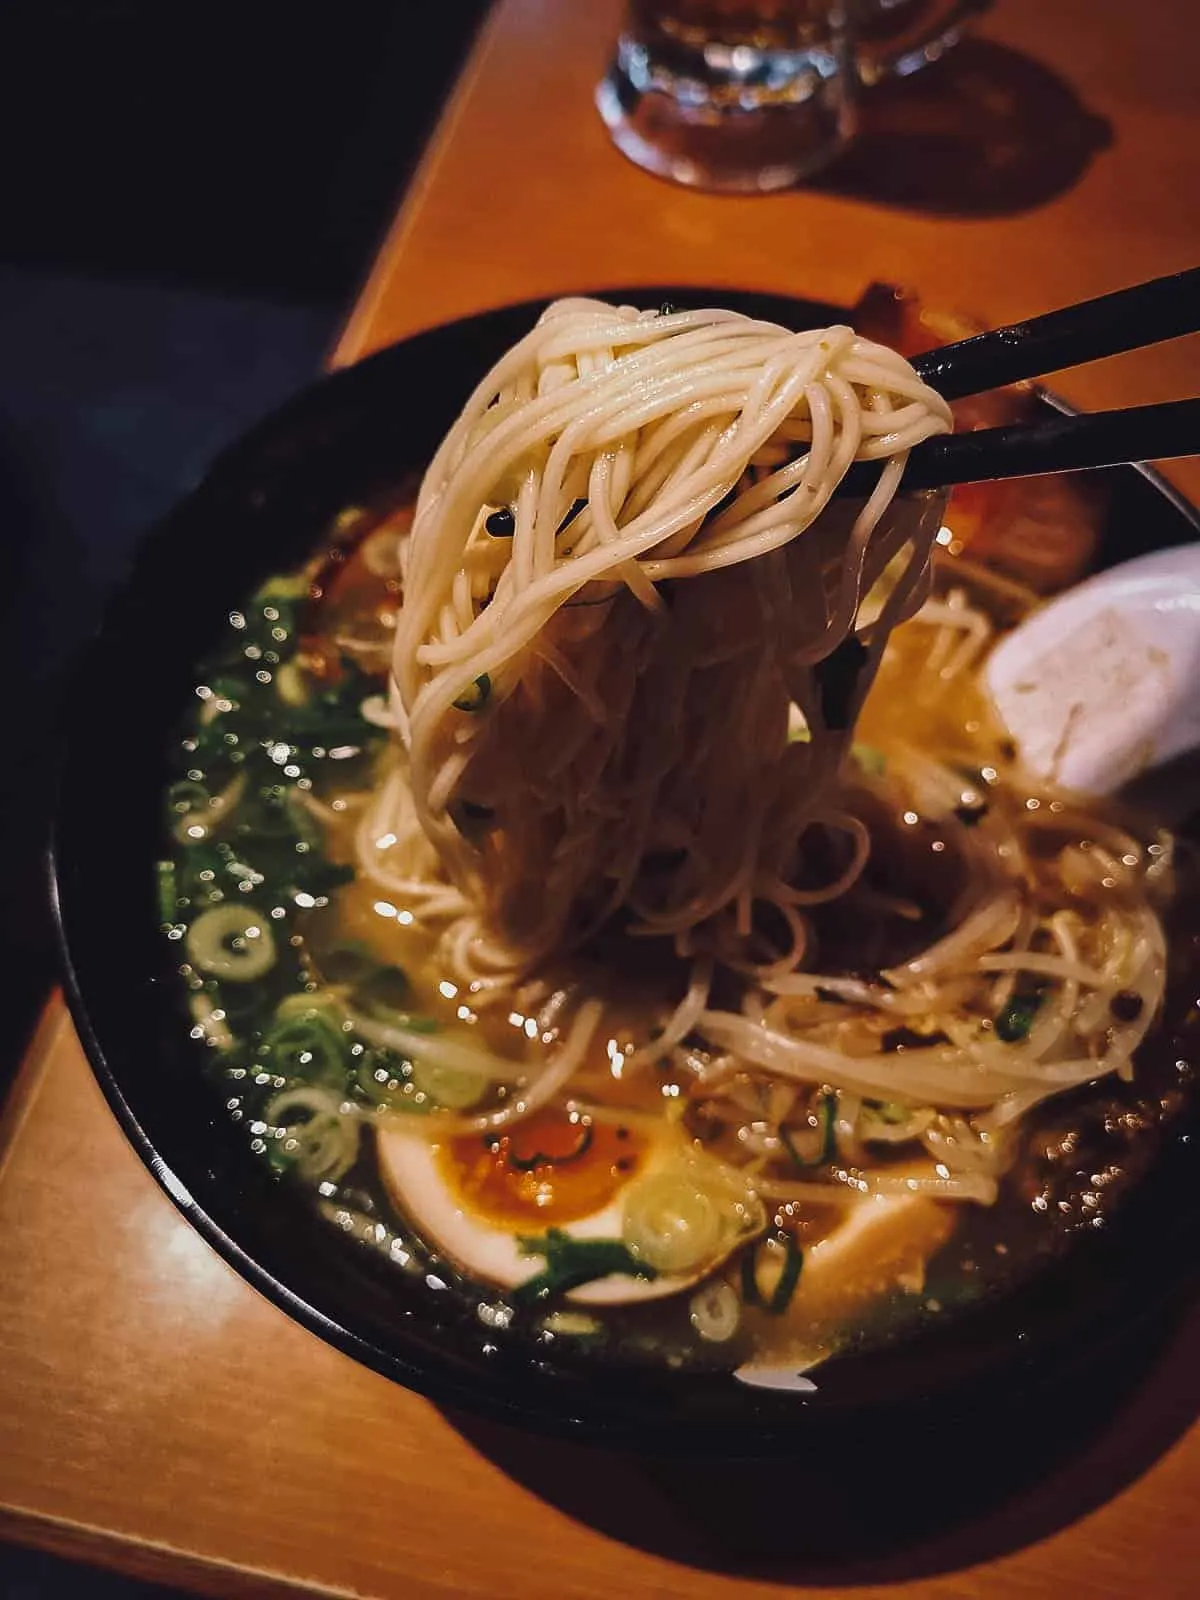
pixel 225 686
pixel 671 1224
pixel 306 1004
pixel 185 796
pixel 293 587
pixel 453 1088
pixel 168 891
pixel 779 1250
pixel 290 685
pixel 434 1048
pixel 689 1214
pixel 383 1078
pixel 350 963
pixel 870 760
pixel 308 1046
pixel 886 1122
pixel 274 815
pixel 1014 1022
pixel 378 991
pixel 349 518
pixel 210 1019
pixel 715 1312
pixel 197 813
pixel 828 1146
pixel 571 1263
pixel 573 1324
pixel 478 697
pixel 232 942
pixel 384 992
pixel 322 1142
pixel 890 1112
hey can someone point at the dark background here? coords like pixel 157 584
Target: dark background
pixel 189 198
pixel 254 147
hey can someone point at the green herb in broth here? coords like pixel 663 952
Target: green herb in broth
pixel 478 696
pixel 1015 1021
pixel 251 862
pixel 268 753
pixel 779 1258
pixel 827 1148
pixel 570 1263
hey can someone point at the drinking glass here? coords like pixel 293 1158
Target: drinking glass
pixel 752 95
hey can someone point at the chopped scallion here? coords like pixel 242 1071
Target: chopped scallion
pixel 479 697
pixel 1014 1022
pixel 777 1299
pixel 827 1115
pixel 573 1262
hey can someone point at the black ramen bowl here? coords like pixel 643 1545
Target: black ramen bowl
pixel 262 508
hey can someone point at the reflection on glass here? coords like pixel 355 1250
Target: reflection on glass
pixel 745 95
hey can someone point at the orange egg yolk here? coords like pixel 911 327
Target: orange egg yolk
pixel 549 1169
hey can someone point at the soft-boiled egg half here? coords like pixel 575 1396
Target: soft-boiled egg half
pixel 480 1199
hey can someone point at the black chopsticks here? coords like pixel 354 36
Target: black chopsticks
pixel 1148 313
pixel 1057 443
pixel 1053 443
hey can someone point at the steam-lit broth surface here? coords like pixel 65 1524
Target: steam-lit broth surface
pixel 334 1030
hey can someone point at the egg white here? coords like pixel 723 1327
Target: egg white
pixel 489 1251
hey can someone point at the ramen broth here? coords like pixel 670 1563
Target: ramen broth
pixel 275 770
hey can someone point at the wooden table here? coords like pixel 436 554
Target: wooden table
pixel 155 1413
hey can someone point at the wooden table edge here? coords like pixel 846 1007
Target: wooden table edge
pixel 17 1103
pixel 152 1562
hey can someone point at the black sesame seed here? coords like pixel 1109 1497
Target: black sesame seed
pixel 622 1133
pixel 625 1164
pixel 501 524
pixel 667 309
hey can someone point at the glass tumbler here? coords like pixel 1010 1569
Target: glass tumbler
pixel 753 95
pixel 742 95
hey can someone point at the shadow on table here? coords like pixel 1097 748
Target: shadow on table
pixel 866 1508
pixel 984 132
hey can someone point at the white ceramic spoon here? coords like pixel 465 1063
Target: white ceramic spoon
pixel 1103 683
